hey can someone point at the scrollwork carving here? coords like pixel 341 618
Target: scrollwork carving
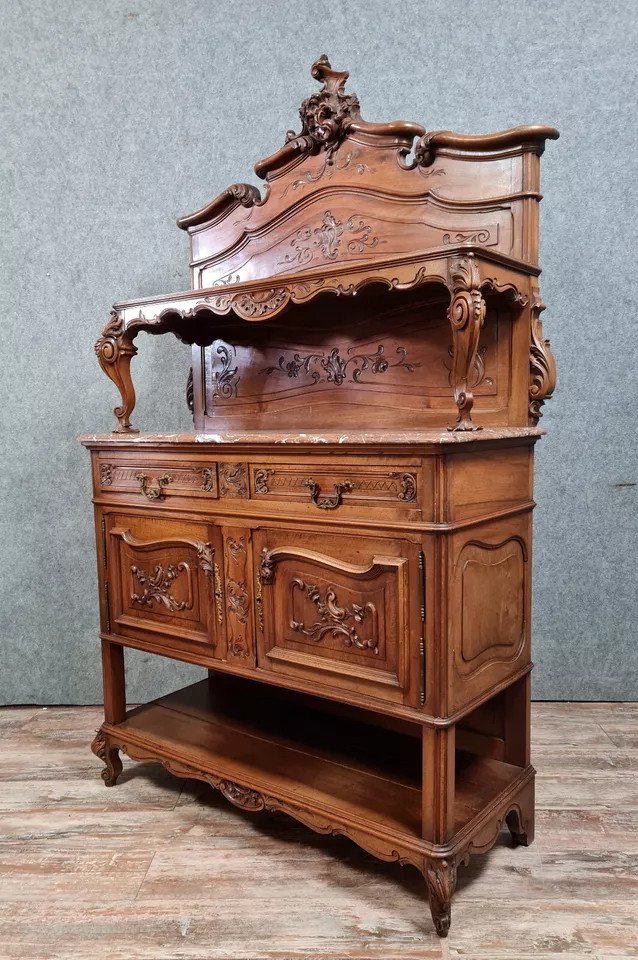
pixel 466 315
pixel 336 620
pixel 408 486
pixel 542 364
pixel 440 878
pixel 260 481
pixel 232 480
pixel 156 587
pixel 326 115
pixel 333 368
pixel 114 351
pixel 224 380
pixel 106 474
pixel 109 755
pixel 327 239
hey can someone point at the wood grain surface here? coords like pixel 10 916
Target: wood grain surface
pixel 159 869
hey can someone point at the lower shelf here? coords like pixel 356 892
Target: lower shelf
pixel 348 772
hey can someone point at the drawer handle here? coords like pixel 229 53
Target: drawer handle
pixel 152 493
pixel 327 503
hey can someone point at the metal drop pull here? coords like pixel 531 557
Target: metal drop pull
pixel 331 502
pixel 150 492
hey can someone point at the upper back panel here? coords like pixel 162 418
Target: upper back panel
pixel 348 191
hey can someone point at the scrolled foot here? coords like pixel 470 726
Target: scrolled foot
pixel 522 831
pixel 440 877
pixel 110 756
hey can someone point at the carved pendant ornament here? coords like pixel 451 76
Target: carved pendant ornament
pixel 335 620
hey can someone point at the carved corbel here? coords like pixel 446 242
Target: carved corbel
pixel 466 314
pixel 115 350
pixel 542 366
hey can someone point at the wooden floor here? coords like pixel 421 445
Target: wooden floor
pixel 159 869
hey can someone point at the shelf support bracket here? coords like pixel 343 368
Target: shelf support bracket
pixel 466 315
pixel 115 350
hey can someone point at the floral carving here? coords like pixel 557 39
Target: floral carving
pixel 477 373
pixel 327 239
pixel 157 585
pixel 241 796
pixel 542 365
pixel 224 380
pixel 106 474
pixel 334 368
pixel 336 620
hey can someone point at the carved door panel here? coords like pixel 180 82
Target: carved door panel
pixel 340 611
pixel 164 582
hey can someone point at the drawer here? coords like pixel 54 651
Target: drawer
pixel 329 487
pixel 156 480
pixel 340 611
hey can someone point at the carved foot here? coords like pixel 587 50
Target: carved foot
pixel 110 756
pixel 520 827
pixel 440 877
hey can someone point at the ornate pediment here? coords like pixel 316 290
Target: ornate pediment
pixel 326 115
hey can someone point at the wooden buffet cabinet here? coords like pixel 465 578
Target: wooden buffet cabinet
pixel 345 539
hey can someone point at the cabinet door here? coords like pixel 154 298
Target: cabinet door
pixel 164 582
pixel 340 611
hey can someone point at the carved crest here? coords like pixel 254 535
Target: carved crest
pixel 326 115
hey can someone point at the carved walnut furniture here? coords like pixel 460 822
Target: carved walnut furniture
pixel 345 539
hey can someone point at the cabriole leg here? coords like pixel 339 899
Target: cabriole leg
pixel 440 878
pixel 520 819
pixel 110 756
pixel 115 350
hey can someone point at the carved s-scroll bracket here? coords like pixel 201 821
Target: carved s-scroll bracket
pixel 542 366
pixel 466 314
pixel 115 350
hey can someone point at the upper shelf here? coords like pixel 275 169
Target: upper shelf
pixel 345 191
pixel 261 300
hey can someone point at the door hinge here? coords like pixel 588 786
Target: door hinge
pixel 107 608
pixel 422 637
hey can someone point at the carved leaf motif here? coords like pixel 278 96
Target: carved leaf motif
pixel 327 237
pixel 157 585
pixel 542 365
pixel 225 380
pixel 334 619
pixel 333 368
pixel 233 480
pixel 328 168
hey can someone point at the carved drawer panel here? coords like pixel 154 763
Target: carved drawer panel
pixel 156 480
pixel 327 487
pixel 164 578
pixel 338 610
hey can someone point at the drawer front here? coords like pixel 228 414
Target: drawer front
pixel 327 487
pixel 157 480
pixel 338 610
pixel 164 581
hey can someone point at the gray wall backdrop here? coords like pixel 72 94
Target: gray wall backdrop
pixel 119 115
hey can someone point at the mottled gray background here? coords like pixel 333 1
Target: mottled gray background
pixel 117 116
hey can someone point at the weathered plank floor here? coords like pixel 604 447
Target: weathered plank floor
pixel 159 869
